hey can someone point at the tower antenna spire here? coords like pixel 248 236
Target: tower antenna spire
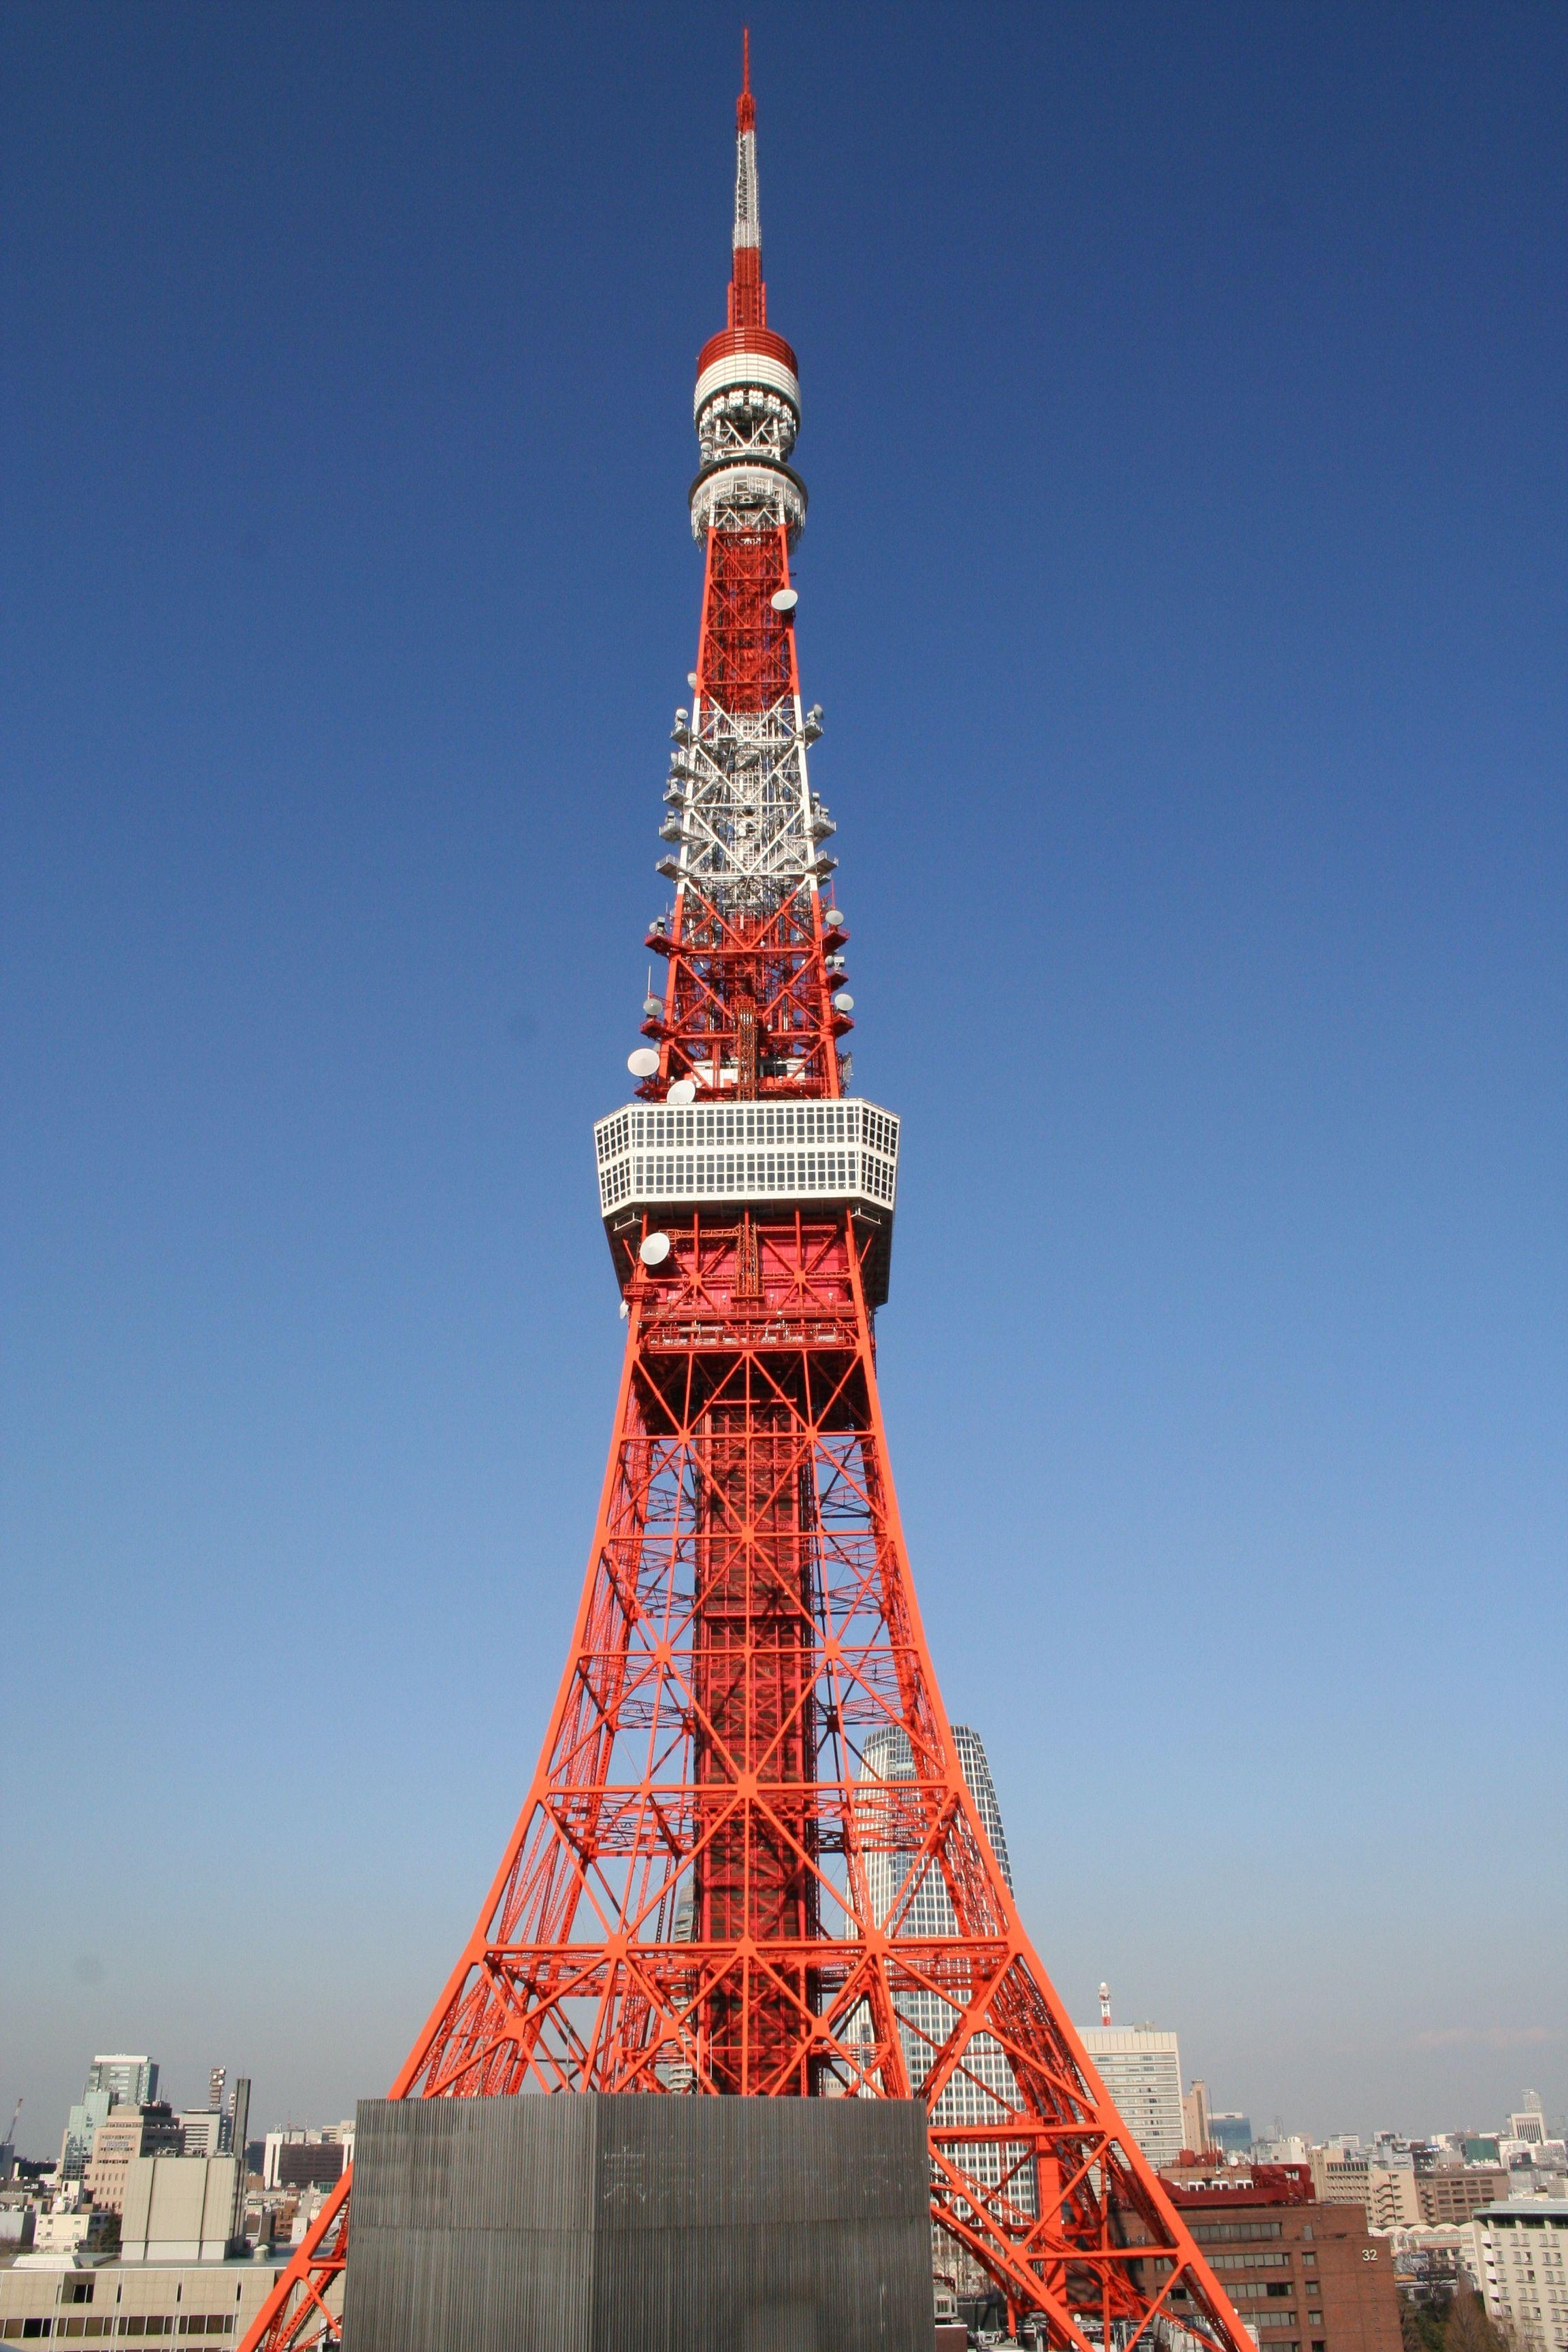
pixel 748 295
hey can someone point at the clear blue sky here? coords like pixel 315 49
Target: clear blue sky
pixel 1185 583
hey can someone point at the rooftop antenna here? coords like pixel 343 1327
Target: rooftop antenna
pixel 1105 2004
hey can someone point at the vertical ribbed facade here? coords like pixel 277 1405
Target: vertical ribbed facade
pixel 636 2224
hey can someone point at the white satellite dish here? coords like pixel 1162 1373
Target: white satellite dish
pixel 844 1002
pixel 643 1063
pixel 681 1093
pixel 655 1249
pixel 786 601
pixel 833 919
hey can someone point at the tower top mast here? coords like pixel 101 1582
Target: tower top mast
pixel 748 295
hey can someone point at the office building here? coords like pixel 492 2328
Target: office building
pixel 1519 2252
pixel 1454 2193
pixel 130 2082
pixel 163 2309
pixel 1340 2175
pixel 1195 2119
pixel 1141 2066
pixel 983 2089
pixel 300 2157
pixel 81 2127
pixel 1305 2277
pixel 1231 2133
pixel 124 2133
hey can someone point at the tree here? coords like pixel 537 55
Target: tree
pixel 1470 2329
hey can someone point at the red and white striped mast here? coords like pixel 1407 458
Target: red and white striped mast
pixel 755 1002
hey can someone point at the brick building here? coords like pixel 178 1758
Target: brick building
pixel 1304 2276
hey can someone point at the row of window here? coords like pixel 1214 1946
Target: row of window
pixel 747 1175
pixel 1213 2233
pixel 126 2323
pixel 658 1127
pixel 1274 2259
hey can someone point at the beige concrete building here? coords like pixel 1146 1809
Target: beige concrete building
pixel 180 2208
pixel 1339 2177
pixel 125 2133
pixel 161 2308
pixel 1392 2201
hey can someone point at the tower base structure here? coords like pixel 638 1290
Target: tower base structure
pixel 599 2223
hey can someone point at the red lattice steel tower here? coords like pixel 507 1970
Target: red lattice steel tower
pixel 750 1862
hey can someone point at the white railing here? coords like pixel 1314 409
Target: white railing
pixel 846 1150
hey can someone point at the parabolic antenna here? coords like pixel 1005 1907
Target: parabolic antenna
pixel 681 1093
pixel 655 1249
pixel 643 1063
pixel 786 601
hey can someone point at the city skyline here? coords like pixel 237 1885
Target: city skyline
pixel 1226 744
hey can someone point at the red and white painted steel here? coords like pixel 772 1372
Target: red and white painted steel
pixel 718 1883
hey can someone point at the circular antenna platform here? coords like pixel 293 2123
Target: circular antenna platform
pixel 643 1063
pixel 786 601
pixel 681 1093
pixel 654 1249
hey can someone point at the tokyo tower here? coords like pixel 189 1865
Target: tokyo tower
pixel 749 1862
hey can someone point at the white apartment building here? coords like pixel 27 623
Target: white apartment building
pixel 1141 2066
pixel 1520 2254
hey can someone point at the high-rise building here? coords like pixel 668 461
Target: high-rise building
pixel 1141 2066
pixel 983 2087
pixel 1230 2132
pixel 82 2129
pixel 1195 2118
pixel 201 2132
pixel 125 2134
pixel 131 2081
